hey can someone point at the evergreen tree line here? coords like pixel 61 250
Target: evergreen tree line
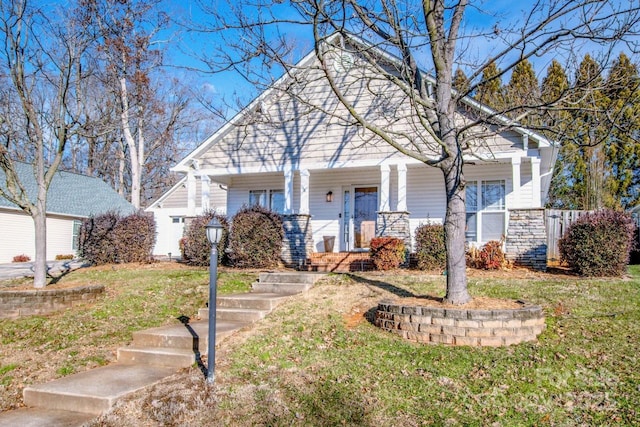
pixel 596 125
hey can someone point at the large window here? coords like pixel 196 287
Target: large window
pixel 485 210
pixel 272 199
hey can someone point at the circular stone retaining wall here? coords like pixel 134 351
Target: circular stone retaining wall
pixel 18 303
pixel 471 327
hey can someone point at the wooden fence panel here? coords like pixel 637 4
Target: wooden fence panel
pixel 557 222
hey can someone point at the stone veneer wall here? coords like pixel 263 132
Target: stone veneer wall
pixel 526 242
pixel 18 303
pixel 298 239
pixel 471 327
pixel 394 224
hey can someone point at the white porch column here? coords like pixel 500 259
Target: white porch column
pixel 288 191
pixel 204 182
pixel 385 172
pixel 304 192
pixel 536 199
pixel 191 194
pixel 402 188
pixel 515 179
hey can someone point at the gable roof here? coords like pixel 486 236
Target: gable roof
pixel 191 160
pixel 70 193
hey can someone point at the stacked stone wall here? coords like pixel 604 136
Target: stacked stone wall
pixel 470 327
pixel 18 303
pixel 394 224
pixel 526 242
pixel 298 239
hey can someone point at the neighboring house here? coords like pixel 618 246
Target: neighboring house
pixel 188 198
pixel 70 199
pixel 333 180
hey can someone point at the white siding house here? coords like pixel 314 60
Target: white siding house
pixel 332 179
pixel 70 199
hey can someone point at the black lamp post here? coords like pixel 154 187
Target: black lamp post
pixel 214 234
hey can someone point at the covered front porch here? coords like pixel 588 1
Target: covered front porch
pixel 354 202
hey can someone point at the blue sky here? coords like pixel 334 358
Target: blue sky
pixel 480 15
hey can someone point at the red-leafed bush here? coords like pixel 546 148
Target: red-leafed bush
pixel 195 246
pixel 110 238
pixel 256 238
pixel 599 243
pixel 134 237
pixel 96 243
pixel 489 257
pixel 21 258
pixel 386 253
pixel 430 249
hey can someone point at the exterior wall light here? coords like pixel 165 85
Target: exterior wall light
pixel 329 197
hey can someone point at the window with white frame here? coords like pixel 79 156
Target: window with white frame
pixel 75 242
pixel 272 199
pixel 486 211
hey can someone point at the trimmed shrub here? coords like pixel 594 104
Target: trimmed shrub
pixel 256 238
pixel 387 253
pixel 431 253
pixel 598 244
pixel 21 258
pixel 134 237
pixel 110 238
pixel 195 246
pixel 489 257
pixel 96 240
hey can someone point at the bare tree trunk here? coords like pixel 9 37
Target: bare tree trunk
pixel 454 228
pixel 40 263
pixel 131 144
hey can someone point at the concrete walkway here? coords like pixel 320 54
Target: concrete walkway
pixel 153 355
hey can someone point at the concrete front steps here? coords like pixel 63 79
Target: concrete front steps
pixel 153 355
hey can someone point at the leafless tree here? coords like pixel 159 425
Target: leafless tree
pixel 403 39
pixel 40 60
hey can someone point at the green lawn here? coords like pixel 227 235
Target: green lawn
pixel 40 348
pixel 583 371
pixel 316 361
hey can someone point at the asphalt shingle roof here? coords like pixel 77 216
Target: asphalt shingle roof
pixel 71 194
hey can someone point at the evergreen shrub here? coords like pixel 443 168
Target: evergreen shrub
pixel 110 238
pixel 431 253
pixel 256 238
pixel 96 242
pixel 195 246
pixel 387 253
pixel 134 237
pixel 599 243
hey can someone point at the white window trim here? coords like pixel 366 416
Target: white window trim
pixel 481 210
pixel 269 192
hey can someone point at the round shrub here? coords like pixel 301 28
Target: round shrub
pixel 431 253
pixel 386 253
pixel 134 237
pixel 598 244
pixel 256 238
pixel 195 246
pixel 96 242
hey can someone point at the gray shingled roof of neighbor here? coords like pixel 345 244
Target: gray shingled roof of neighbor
pixel 70 194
